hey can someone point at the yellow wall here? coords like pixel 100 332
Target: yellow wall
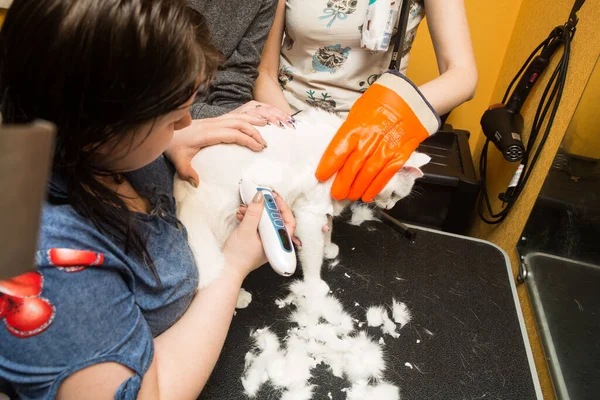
pixel 491 24
pixel 583 135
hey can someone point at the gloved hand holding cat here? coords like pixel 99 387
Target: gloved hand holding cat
pixel 385 125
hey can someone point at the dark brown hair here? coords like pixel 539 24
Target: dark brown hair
pixel 98 69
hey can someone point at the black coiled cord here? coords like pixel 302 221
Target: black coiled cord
pixel 550 99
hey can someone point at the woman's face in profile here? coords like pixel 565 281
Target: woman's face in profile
pixel 146 143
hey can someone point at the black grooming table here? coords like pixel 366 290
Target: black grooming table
pixel 457 288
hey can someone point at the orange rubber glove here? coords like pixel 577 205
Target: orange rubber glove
pixel 385 125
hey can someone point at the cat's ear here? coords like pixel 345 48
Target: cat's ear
pixel 417 160
pixel 414 163
pixel 413 171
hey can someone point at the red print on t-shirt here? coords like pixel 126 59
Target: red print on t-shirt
pixel 70 260
pixel 24 312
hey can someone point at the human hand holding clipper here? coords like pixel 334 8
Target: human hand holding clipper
pixel 385 125
pixel 276 227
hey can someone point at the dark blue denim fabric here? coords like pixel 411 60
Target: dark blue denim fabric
pixel 108 310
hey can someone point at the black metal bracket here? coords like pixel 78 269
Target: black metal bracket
pixel 407 232
pixel 523 273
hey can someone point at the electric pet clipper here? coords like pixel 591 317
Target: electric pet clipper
pixel 273 233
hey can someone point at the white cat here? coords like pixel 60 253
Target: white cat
pixel 288 166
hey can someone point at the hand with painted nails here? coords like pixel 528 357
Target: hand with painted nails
pixel 229 128
pixel 243 250
pixel 269 113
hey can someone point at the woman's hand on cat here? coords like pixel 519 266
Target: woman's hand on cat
pixel 243 250
pixel 229 128
pixel 266 112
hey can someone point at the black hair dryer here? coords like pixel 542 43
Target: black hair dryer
pixel 503 127
pixel 502 124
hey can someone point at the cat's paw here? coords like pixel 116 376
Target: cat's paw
pixel 331 251
pixel 244 299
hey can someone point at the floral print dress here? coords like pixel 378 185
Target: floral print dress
pixel 322 63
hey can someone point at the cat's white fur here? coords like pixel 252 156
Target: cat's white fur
pixel 288 166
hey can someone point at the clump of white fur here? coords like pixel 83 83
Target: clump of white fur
pixel 378 316
pixel 375 316
pixel 362 213
pixel 325 334
pixel 400 313
pixel 266 349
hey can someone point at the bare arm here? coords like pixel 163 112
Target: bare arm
pixel 267 89
pixel 185 354
pixel 449 31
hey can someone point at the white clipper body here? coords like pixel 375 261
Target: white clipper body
pixel 275 238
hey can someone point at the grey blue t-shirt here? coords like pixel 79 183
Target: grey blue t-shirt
pixel 89 302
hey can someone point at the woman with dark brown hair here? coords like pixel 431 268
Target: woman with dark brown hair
pixel 112 308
